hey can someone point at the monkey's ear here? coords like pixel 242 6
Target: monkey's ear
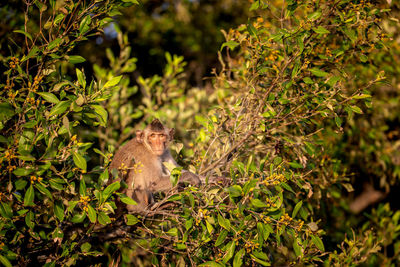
pixel 171 134
pixel 139 136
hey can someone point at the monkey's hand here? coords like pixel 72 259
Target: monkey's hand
pixel 190 178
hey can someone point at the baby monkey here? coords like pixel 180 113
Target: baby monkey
pixel 140 164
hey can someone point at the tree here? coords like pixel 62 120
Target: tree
pixel 291 81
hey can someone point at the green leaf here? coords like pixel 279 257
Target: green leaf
pixel 30 124
pixel 315 15
pixel 321 30
pixel 338 121
pixel 318 72
pixel 252 31
pixel 131 1
pixel 6 111
pixel 82 187
pixel 27 34
pixel 260 255
pixel 103 218
pixel 352 34
pixel 20 184
pixel 54 43
pixel 32 53
pixel 221 237
pixel 85 247
pixel 5 261
pixel 267 230
pixel 356 109
pixel 127 200
pixel 111 189
pixel 298 250
pixel 270 112
pixel 29 219
pixel 296 208
pixel 79 160
pixel 230 252
pixel 131 220
pixel 43 190
pixel 277 161
pixel 58 18
pixel 113 82
pixel 60 108
pixel 59 211
pixel 91 214
pixel 258 203
pixel 49 97
pixel 81 78
pixel 56 184
pixel 230 44
pixel 22 171
pixel 209 227
pixel 363 58
pixel 211 264
pixel 263 263
pixel 5 210
pixel 332 80
pixel 173 232
pixel 102 114
pixel 260 230
pixel 295 165
pixel 318 242
pixel 78 218
pixel 29 196
pixel 76 59
pixel 72 205
pixel 238 260
pixel 235 191
pixel 85 25
pixel 362 96
pixel 295 70
pixel 225 223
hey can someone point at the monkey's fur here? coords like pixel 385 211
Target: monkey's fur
pixel 140 164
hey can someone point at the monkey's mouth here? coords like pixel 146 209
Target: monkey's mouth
pixel 158 151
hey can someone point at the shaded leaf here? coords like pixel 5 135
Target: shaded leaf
pixel 59 210
pixel 29 196
pixel 76 59
pixel 296 208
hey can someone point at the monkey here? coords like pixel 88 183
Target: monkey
pixel 140 164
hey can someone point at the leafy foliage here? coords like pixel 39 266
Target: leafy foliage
pixel 292 80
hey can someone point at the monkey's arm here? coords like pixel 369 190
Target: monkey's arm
pixel 164 183
pixel 190 178
pixel 187 176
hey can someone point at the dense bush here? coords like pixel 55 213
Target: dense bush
pixel 292 80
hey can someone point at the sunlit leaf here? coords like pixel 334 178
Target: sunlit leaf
pixel 91 214
pixel 79 160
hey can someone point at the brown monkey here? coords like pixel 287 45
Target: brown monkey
pixel 140 165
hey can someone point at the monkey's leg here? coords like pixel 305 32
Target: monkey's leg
pixel 143 199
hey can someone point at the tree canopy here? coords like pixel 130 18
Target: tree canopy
pixel 295 104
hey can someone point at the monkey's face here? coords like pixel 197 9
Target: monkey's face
pixel 157 142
